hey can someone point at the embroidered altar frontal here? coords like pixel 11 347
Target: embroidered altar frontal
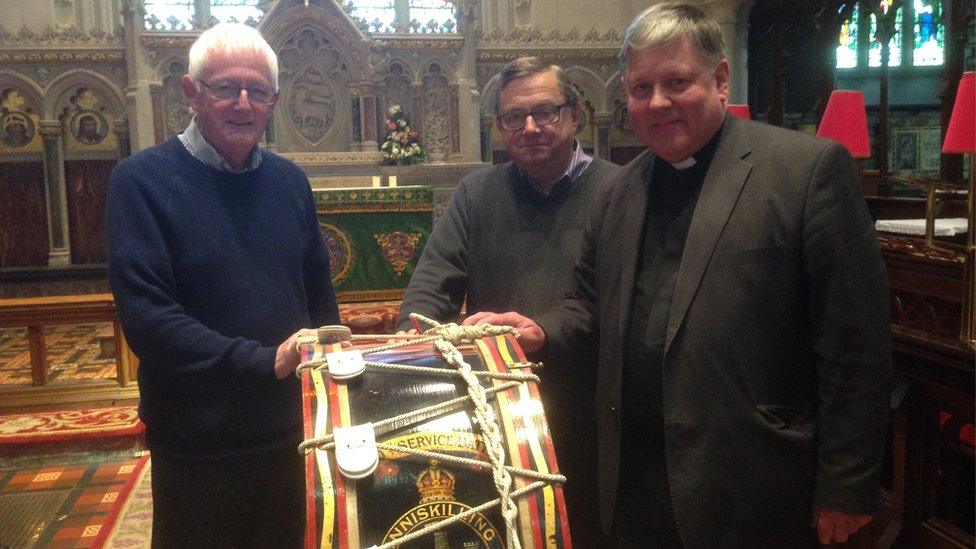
pixel 434 462
pixel 375 237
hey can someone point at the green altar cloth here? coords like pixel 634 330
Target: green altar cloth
pixel 375 237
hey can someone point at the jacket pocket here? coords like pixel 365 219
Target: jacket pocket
pixel 781 417
pixel 750 255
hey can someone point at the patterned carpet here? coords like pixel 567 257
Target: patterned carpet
pixel 66 506
pixel 70 425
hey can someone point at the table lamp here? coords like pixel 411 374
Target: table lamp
pixel 960 137
pixel 846 122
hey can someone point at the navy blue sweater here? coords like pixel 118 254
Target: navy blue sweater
pixel 211 272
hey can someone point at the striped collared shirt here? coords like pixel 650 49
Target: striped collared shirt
pixel 577 164
pixel 203 151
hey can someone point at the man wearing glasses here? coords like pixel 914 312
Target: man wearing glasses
pixel 508 240
pixel 217 263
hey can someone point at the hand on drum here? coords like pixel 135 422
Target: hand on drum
pixel 287 357
pixel 531 336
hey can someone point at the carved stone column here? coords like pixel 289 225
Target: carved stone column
pixel 137 97
pixel 726 13
pixel 55 194
pixel 367 118
pixel 601 143
pixel 158 112
pixel 121 129
pixel 467 99
pixel 486 123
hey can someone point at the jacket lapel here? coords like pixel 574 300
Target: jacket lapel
pixel 633 208
pixel 726 175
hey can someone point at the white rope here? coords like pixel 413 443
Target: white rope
pixel 484 415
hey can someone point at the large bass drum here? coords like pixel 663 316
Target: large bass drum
pixel 434 441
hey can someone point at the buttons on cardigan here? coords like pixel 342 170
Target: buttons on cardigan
pixel 613 410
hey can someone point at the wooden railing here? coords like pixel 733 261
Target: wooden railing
pixel 34 314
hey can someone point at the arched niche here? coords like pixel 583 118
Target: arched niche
pixel 314 111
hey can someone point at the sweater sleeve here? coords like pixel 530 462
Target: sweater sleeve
pixel 438 285
pixel 141 273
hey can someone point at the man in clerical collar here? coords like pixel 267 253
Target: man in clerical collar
pixel 733 275
pixel 218 265
pixel 509 238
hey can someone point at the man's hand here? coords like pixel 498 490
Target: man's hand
pixel 287 358
pixel 531 336
pixel 835 526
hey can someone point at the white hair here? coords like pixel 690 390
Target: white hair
pixel 235 39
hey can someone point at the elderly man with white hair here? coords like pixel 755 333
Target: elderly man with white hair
pixel 218 264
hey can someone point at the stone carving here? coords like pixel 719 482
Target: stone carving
pixel 436 93
pixel 51 36
pixel 313 71
pixel 312 104
pixel 396 90
pixel 176 113
pixel 377 61
pixel 555 37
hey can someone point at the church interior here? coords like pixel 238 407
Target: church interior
pixel 86 83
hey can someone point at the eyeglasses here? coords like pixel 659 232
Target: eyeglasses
pixel 228 91
pixel 543 116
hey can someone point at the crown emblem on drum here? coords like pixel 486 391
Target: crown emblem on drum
pixel 435 484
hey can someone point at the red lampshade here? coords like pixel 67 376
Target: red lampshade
pixel 961 134
pixel 846 122
pixel 742 111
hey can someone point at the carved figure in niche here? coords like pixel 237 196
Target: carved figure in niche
pixel 377 61
pixel 18 129
pixel 436 115
pixel 311 104
pixel 89 127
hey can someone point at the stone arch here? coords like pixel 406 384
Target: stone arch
pixel 591 86
pixel 60 90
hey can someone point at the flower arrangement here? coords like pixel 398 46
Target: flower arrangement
pixel 402 145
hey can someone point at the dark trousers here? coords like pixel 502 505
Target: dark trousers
pixel 243 501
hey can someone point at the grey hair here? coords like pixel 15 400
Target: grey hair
pixel 235 39
pixel 531 66
pixel 662 23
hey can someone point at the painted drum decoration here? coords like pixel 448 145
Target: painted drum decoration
pixel 434 441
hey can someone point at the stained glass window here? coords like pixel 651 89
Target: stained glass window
pixel 432 16
pixel 929 34
pixel 847 41
pixel 894 43
pixel 168 14
pixel 237 11
pixel 375 15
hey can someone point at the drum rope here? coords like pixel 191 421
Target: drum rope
pixel 485 417
pixel 409 417
pixel 322 363
pixel 453 519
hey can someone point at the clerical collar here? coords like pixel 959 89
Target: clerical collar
pixel 703 155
